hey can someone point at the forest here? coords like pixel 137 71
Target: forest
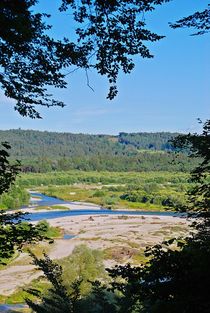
pixel 49 151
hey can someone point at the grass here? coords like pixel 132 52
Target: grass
pixel 51 208
pixel 160 233
pixel 37 249
pixel 20 295
pixel 44 207
pixel 9 261
pixel 54 232
pixel 140 258
pixel 3 298
pixel 106 189
pixel 133 244
pixel 60 207
pixel 108 199
pixel 139 206
pixel 91 239
pixel 81 258
pixel 105 177
pixel 123 254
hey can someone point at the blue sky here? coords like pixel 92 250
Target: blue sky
pixel 166 93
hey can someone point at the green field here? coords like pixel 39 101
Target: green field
pixel 116 190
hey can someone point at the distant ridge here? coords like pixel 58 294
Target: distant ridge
pixel 43 150
pixel 30 143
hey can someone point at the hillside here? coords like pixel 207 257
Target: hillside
pixel 46 151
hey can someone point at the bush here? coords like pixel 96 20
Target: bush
pixel 99 193
pixel 15 198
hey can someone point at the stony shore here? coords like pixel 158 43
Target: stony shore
pixel 123 236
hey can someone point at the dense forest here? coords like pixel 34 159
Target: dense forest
pixel 47 151
pixel 151 141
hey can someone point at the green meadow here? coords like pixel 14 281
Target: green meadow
pixel 116 190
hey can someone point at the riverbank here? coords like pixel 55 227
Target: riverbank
pixel 77 206
pixel 46 207
pixel 121 238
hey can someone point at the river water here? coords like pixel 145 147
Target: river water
pixel 84 209
pixel 9 307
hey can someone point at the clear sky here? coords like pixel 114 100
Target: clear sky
pixel 166 93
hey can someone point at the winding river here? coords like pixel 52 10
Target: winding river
pixel 81 209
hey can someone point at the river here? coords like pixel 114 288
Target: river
pixel 84 209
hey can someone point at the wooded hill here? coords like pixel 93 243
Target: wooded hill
pixel 46 151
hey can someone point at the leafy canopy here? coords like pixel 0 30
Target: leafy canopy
pixel 200 21
pixel 29 59
pixel 14 231
pixel 109 33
